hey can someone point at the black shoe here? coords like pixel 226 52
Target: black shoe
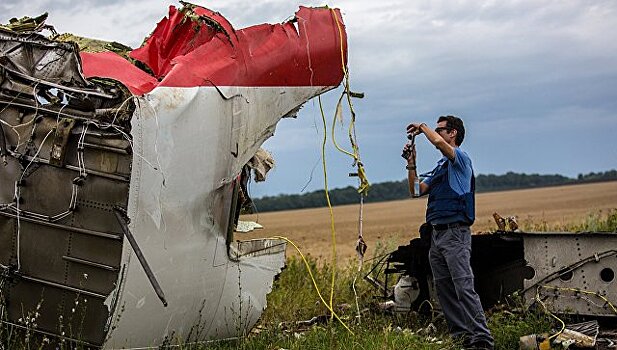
pixel 481 345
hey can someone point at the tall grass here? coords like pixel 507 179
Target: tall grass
pixel 595 222
pixel 294 299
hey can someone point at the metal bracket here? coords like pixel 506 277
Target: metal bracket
pixel 123 220
pixel 61 138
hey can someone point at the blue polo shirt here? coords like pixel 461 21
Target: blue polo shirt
pixel 460 172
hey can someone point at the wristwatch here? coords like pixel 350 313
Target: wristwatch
pixel 410 167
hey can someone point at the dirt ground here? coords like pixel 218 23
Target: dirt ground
pixel 393 223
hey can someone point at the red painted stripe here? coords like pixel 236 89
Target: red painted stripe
pixel 184 53
pixel 111 65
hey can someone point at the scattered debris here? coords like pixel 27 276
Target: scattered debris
pixel 302 326
pixel 247 226
pixel 507 224
pixel 566 273
pixel 580 335
pixel 535 342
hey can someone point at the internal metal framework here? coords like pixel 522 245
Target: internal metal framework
pixel 158 139
pixel 66 152
pixel 573 273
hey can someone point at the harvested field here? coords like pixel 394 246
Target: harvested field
pixel 396 222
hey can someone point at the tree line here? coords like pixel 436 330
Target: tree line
pixel 393 190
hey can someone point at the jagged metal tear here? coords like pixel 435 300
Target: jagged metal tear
pixel 179 205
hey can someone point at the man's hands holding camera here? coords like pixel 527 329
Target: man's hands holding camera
pixel 409 151
pixel 409 154
pixel 414 129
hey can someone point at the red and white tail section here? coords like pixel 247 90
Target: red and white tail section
pixel 214 95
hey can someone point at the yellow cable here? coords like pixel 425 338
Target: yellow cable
pixel 354 155
pixel 340 34
pixel 361 173
pixel 325 174
pixel 584 292
pixel 346 90
pixel 308 268
pixel 364 183
pixel 563 324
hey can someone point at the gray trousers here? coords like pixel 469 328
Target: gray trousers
pixel 450 256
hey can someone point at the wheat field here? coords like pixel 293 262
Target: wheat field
pixel 393 223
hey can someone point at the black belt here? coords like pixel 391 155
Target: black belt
pixel 441 227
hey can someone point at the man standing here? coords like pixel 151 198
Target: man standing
pixel 450 210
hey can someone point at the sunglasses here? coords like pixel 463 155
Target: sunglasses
pixel 442 128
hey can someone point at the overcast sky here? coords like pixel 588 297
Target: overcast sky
pixel 535 81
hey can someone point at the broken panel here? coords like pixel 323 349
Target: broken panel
pixel 573 273
pixel 67 165
pixel 570 273
pixel 120 183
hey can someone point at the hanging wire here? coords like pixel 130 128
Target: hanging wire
pixel 355 154
pixel 331 211
pixel 363 183
pixel 18 195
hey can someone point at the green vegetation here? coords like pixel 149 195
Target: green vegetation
pixel 374 329
pixel 393 190
pixel 596 222
pixel 294 299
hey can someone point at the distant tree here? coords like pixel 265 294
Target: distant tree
pixel 393 190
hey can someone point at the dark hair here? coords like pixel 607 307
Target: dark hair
pixel 454 122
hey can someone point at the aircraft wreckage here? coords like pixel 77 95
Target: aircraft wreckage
pixel 121 171
pixel 567 273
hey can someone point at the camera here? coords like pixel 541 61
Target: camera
pixel 406 153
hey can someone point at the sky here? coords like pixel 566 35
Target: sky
pixel 535 81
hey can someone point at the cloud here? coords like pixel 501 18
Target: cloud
pixel 517 71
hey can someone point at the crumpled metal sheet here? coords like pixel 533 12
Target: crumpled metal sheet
pixel 193 140
pixel 41 58
pixel 180 201
pixel 195 46
pixel 190 135
pixel 261 163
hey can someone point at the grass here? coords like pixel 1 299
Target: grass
pixel 596 222
pixel 277 329
pixel 375 330
pixel 294 299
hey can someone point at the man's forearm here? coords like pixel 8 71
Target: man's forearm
pixel 411 177
pixel 431 135
pixel 437 141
